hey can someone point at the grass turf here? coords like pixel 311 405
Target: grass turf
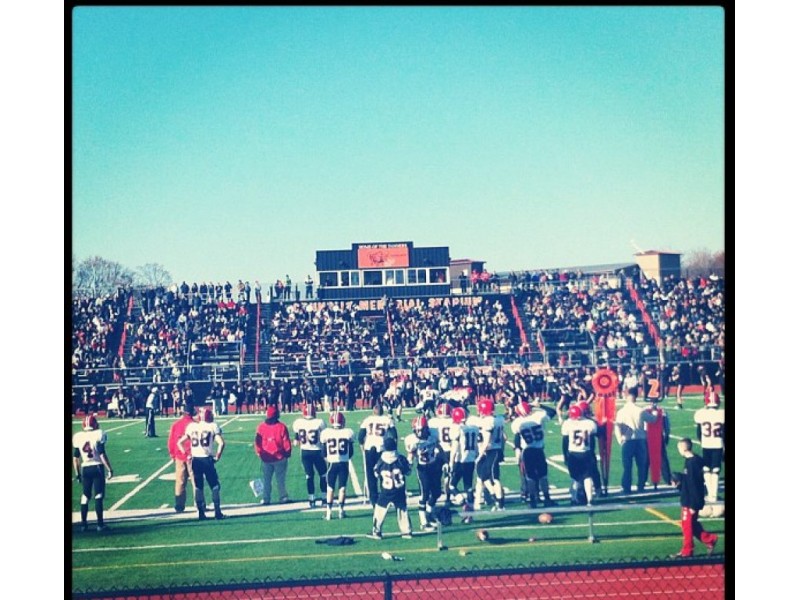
pixel 165 551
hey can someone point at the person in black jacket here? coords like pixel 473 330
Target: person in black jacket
pixel 690 483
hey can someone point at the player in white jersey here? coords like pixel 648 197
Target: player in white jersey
pixel 427 400
pixel 337 447
pixel 204 435
pixel 91 464
pixel 577 443
pixel 442 427
pixel 463 453
pixel 710 422
pixel 528 430
pixel 307 434
pixel 371 436
pixel 490 454
pixel 423 447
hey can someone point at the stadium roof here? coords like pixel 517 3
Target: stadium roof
pixel 651 252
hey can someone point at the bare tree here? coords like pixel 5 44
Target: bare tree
pixel 153 275
pixel 703 262
pixel 98 275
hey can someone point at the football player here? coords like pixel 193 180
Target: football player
pixel 441 425
pixel 337 448
pixel 490 453
pixel 423 447
pixel 91 464
pixel 463 453
pixel 204 434
pixel 371 436
pixel 528 430
pixel 578 443
pixel 710 422
pixel 427 400
pixel 391 470
pixel 307 434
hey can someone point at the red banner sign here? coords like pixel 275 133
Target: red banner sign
pixel 382 256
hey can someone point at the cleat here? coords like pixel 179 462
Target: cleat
pixel 202 516
pixel 430 527
pixel 407 536
pixel 219 516
pixel 102 528
pixel 84 527
pixel 376 535
pixel 549 503
pixel 711 544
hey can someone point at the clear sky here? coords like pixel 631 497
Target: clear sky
pixel 228 143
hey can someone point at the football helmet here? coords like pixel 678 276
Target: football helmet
pixel 523 409
pixel 208 415
pixel 585 408
pixel 459 415
pixel 90 423
pixel 389 444
pixel 575 412
pixel 337 419
pixel 444 410
pixel 485 407
pixel 378 409
pixel 309 410
pixel 419 425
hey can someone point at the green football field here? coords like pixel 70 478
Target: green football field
pixel 148 545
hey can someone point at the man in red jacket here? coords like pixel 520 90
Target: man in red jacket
pixel 274 447
pixel 183 472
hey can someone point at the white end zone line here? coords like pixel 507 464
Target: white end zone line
pixel 136 490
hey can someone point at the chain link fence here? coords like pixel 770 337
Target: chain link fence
pixel 702 578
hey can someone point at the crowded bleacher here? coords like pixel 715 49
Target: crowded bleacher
pixel 342 354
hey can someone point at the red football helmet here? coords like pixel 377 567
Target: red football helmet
pixel 523 409
pixel 575 412
pixel 485 407
pixel 585 408
pixel 207 415
pixel 444 410
pixel 90 423
pixel 309 410
pixel 337 419
pixel 419 425
pixel 459 415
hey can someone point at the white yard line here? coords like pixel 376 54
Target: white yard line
pixel 354 478
pixel 123 426
pixel 135 490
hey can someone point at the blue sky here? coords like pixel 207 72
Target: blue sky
pixel 229 143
